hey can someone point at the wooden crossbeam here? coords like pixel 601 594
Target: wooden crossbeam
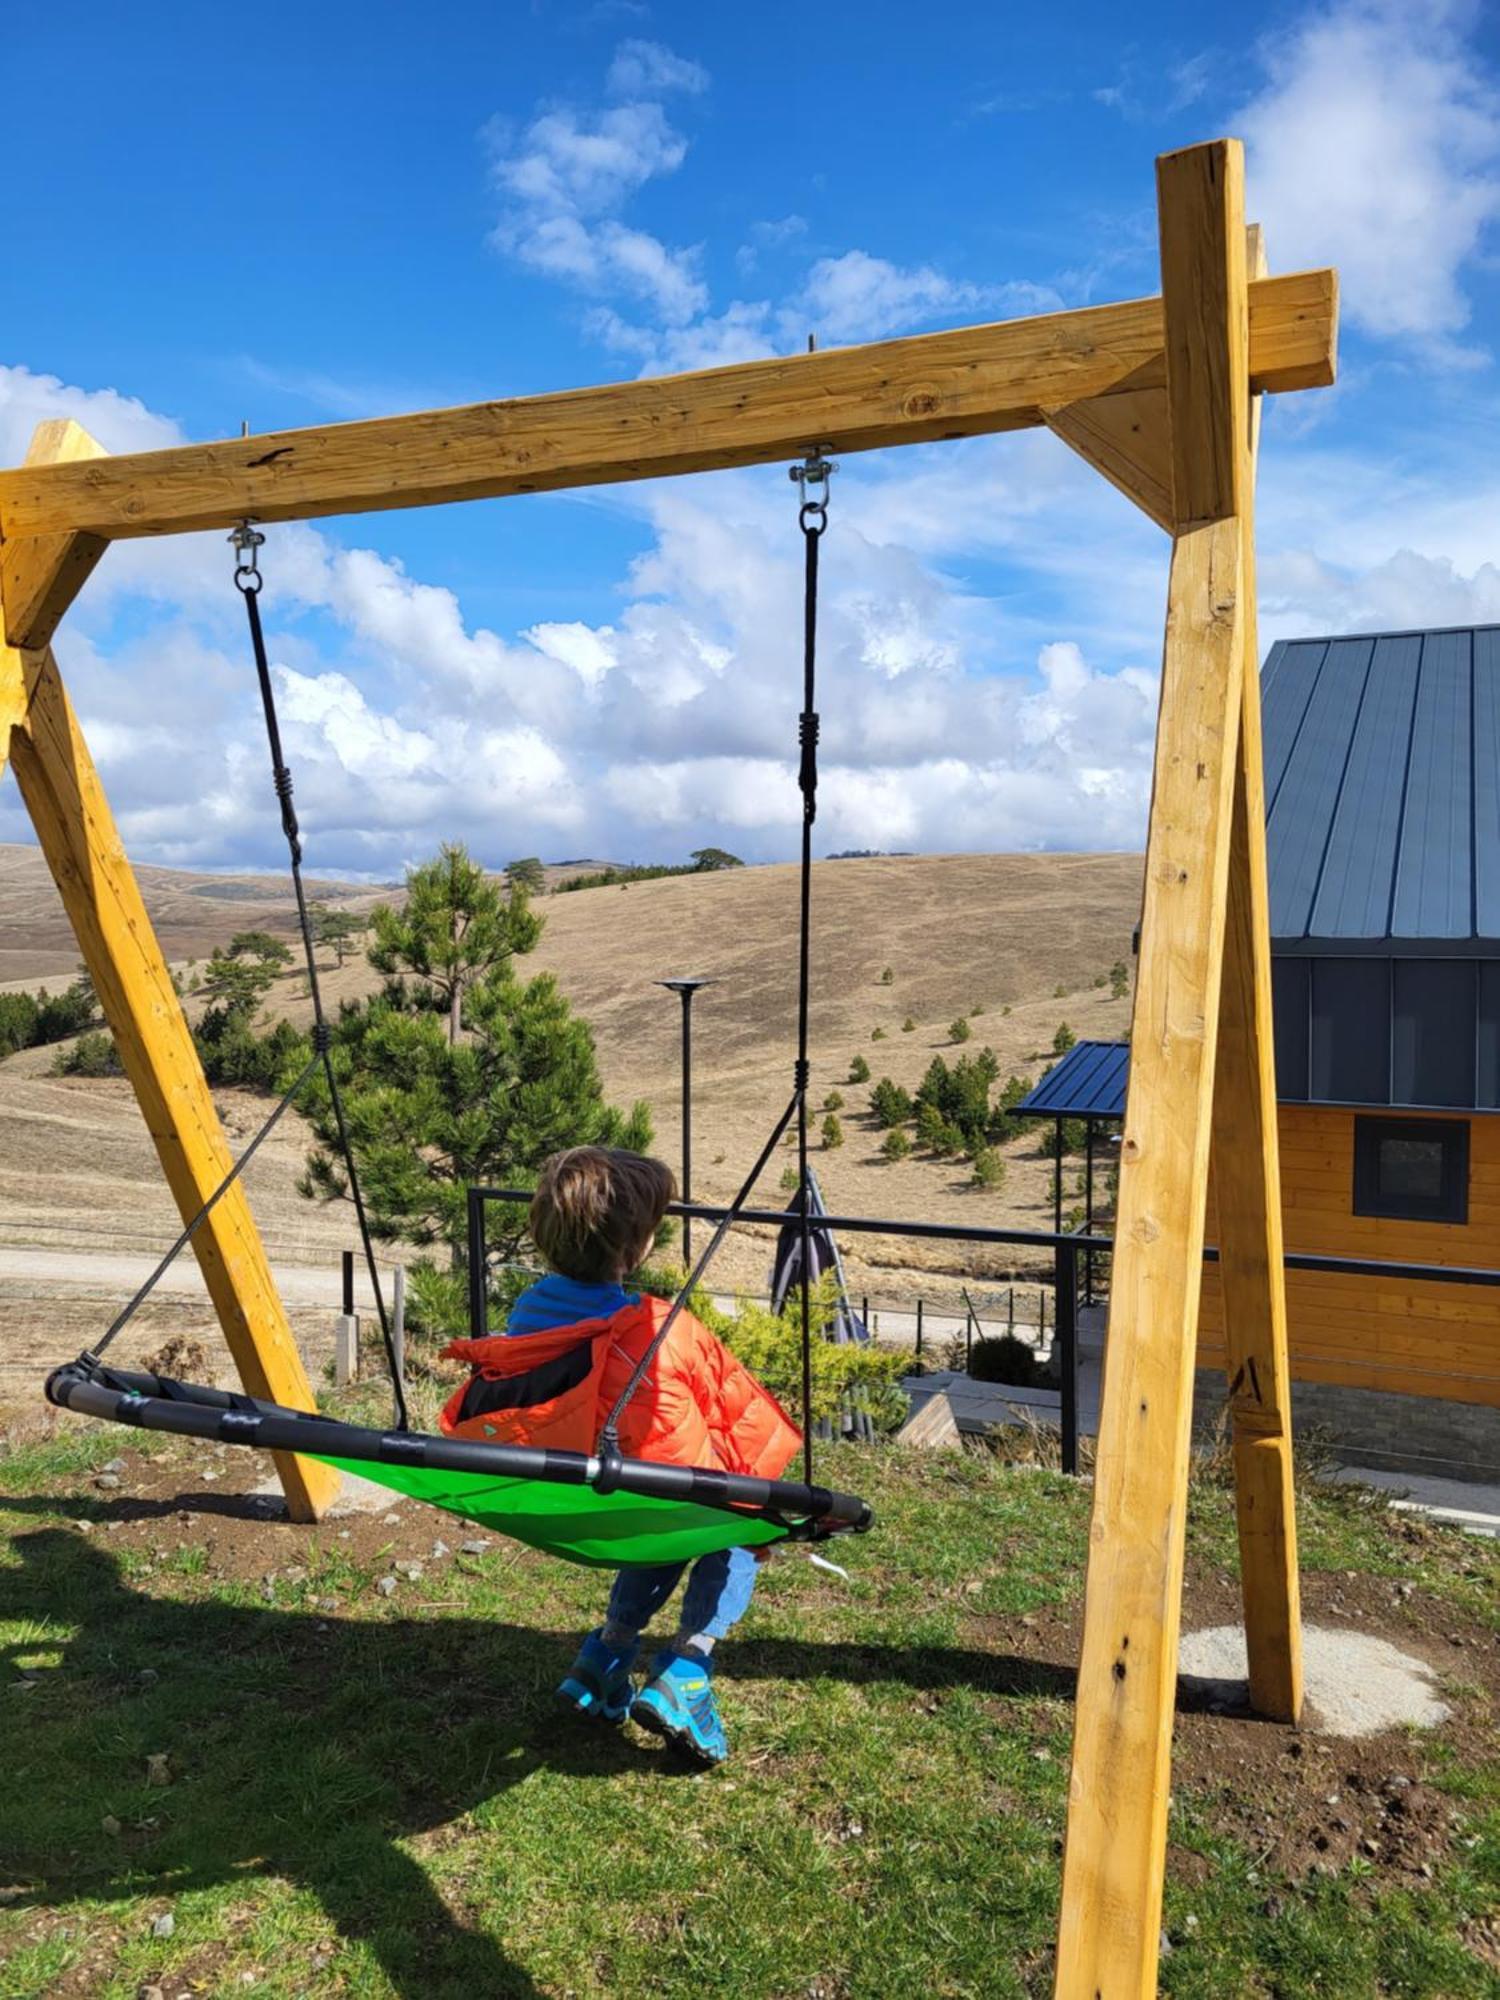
pixel 940 385
pixel 73 822
pixel 1121 1772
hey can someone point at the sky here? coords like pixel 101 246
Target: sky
pixel 299 216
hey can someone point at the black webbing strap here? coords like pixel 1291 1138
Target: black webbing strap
pixel 248 580
pixel 813 519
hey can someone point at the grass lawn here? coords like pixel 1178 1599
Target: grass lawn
pixel 369 1793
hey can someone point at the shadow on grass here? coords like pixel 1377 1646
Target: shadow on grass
pixel 308 1746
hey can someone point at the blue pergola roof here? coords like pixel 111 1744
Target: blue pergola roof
pixel 1089 1082
pixel 1382 760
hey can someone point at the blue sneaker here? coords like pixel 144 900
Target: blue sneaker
pixel 598 1682
pixel 678 1703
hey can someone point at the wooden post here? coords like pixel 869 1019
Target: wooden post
pixel 1121 1775
pixel 1247 1188
pixel 76 829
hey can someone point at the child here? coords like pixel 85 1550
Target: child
pixel 594 1218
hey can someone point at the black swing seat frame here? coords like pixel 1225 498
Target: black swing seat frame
pixel 159 1403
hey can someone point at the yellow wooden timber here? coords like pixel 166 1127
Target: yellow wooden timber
pixel 938 385
pixel 77 832
pixel 1121 1770
pixel 1247 1186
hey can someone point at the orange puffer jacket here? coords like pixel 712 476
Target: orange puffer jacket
pixel 696 1405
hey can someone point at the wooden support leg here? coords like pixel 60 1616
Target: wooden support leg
pixel 1121 1773
pixel 1247 1182
pixel 77 832
pixel 1127 1676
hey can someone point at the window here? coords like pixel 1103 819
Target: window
pixel 1289 998
pixel 1432 1032
pixel 1416 1169
pixel 1351 1030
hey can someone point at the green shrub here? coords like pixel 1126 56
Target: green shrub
pixel 1119 980
pixel 1063 1040
pixel 1059 991
pixel 890 1103
pixel 834 1101
pixel 1003 1358
pixel 859 1070
pixel 93 1054
pixel 790 1181
pixel 833 1131
pixel 770 1345
pixel 888 977
pixel 975 1012
pixel 908 1026
pixel 989 1169
pixel 959 1030
pixel 877 1034
pixel 895 1145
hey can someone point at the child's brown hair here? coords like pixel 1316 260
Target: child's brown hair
pixel 596 1209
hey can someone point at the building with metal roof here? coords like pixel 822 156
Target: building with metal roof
pixel 1382 771
pixel 1088 1082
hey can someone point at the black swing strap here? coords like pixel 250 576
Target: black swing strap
pixel 812 477
pixel 247 540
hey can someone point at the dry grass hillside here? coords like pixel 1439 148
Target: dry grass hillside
pixel 191 913
pixel 992 938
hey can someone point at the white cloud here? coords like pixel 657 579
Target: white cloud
pixel 117 422
pixel 563 181
pixel 1375 145
pixel 860 297
pixel 648 69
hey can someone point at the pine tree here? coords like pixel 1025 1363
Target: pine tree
pixel 454 929
pixel 429 1116
pixel 833 1131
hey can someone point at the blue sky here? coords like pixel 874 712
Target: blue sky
pixel 299 216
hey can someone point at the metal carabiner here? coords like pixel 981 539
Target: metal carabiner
pixel 245 540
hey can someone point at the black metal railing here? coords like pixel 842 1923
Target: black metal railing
pixel 1067 1248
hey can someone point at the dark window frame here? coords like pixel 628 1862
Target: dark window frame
pixel 1451 1205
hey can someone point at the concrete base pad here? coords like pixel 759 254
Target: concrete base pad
pixel 1356 1684
pixel 355 1496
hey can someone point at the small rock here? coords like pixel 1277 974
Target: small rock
pixel 386 1586
pixel 473 1548
pixel 1370 1846
pixel 439 1550
pixel 113 1465
pixel 84 1527
pixel 392 1520
pixel 107 1481
pixel 159 1768
pixel 151 1993
pixel 413 1572
pixel 1042 1756
pixel 209 1474
pixel 1164 1945
pixel 110 1825
pixel 164 1925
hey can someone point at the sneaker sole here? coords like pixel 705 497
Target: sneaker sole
pixel 675 1734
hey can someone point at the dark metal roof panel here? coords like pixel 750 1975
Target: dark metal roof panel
pixel 1382 765
pixel 1354 895
pixel 1434 878
pixel 1306 799
pixel 1487 783
pixel 1089 1082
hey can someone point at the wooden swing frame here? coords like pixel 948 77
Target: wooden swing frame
pixel 1162 397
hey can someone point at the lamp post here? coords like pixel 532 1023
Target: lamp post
pixel 686 988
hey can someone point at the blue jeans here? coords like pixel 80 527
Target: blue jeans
pixel 717 1596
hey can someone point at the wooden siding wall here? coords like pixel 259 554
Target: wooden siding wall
pixel 1375 1333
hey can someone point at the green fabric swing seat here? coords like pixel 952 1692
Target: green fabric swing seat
pixel 606 1513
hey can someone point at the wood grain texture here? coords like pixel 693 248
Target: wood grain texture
pixel 941 385
pixel 1117 1811
pixel 1248 1181
pixel 1127 438
pixel 83 851
pixel 40 576
pixel 1200 198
